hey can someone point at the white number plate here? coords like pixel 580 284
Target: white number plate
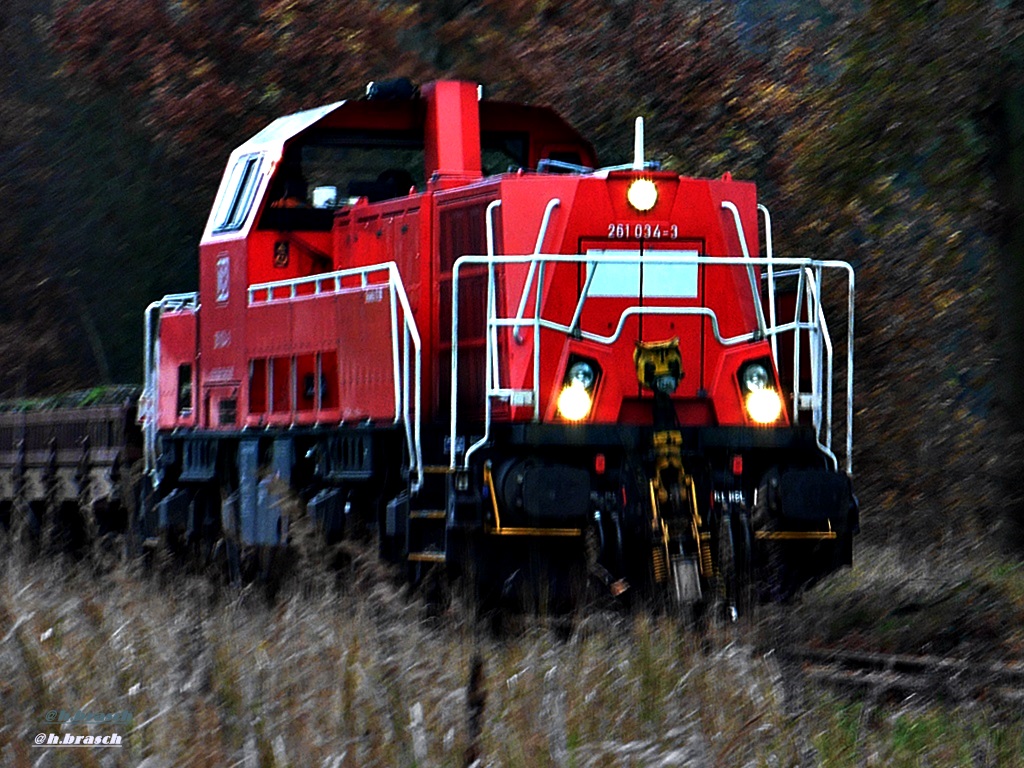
pixel 622 230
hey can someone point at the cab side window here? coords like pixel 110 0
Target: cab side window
pixel 237 196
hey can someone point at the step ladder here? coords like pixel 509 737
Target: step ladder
pixel 427 530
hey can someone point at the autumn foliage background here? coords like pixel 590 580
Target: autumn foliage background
pixel 884 133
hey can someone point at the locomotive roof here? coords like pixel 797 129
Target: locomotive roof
pixel 404 115
pixel 375 123
pixel 284 128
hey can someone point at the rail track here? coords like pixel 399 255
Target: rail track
pixel 883 675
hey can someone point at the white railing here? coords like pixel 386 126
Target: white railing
pixel 809 272
pixel 149 401
pixel 406 355
pixel 521 312
pixel 769 274
pixel 751 275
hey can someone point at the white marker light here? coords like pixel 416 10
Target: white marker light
pixel 642 194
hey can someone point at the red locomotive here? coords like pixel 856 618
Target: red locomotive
pixel 434 315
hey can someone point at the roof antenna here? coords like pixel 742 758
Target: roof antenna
pixel 638 146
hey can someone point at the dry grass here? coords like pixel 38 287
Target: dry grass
pixel 969 605
pixel 358 676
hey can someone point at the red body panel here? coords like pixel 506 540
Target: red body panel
pixel 348 330
pixel 177 349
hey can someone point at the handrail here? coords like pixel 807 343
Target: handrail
pixel 577 314
pixel 541 234
pixel 148 401
pixel 317 281
pixel 771 276
pixel 826 338
pixel 491 308
pixel 808 270
pixel 798 309
pixel 754 292
pixel 412 333
pixel 492 375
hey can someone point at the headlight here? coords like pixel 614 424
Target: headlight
pixel 755 377
pixel 762 401
pixel 582 372
pixel 577 395
pixel 764 406
pixel 574 401
pixel 642 194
